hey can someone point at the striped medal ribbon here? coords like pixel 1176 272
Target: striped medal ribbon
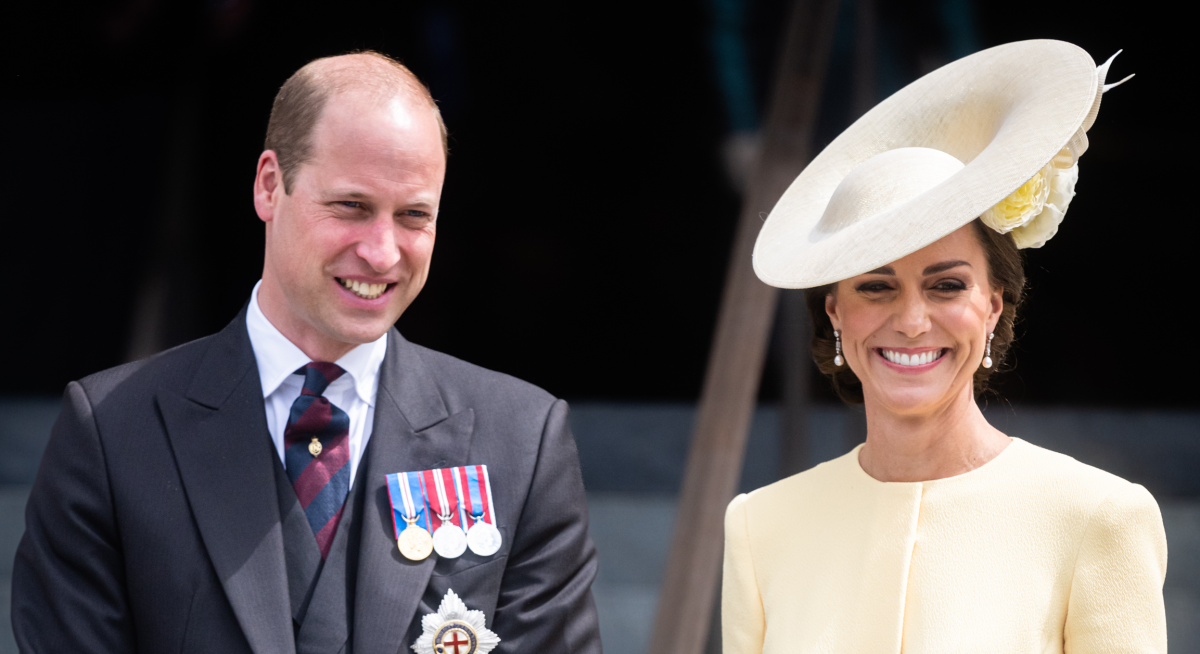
pixel 414 540
pixel 449 540
pixel 483 538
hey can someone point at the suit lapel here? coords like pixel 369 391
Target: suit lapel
pixel 413 430
pixel 219 436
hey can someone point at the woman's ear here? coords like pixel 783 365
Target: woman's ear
pixel 997 306
pixel 831 310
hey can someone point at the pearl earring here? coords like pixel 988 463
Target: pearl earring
pixel 837 358
pixel 987 357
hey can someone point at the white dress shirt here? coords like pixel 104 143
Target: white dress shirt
pixel 278 359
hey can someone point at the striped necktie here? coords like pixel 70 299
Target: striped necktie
pixel 318 452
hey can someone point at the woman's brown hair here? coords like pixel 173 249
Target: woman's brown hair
pixel 1006 270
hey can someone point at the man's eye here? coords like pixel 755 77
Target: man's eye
pixel 350 204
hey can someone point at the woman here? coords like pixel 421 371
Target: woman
pixel 940 533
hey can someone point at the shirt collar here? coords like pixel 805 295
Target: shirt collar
pixel 277 357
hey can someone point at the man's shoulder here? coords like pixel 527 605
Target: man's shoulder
pixel 170 369
pixel 468 384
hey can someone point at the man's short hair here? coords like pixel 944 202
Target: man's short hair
pixel 302 99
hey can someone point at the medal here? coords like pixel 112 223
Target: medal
pixel 483 538
pixel 454 629
pixel 314 448
pixel 449 541
pixel 414 540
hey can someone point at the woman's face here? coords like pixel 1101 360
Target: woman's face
pixel 914 331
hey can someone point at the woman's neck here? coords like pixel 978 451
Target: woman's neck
pixel 952 440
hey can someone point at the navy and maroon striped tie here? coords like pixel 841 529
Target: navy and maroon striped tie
pixel 318 452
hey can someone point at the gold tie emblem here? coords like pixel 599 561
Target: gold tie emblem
pixel 314 448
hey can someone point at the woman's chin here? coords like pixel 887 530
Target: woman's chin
pixel 913 399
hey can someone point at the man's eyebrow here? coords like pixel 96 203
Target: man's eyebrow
pixel 345 193
pixel 944 266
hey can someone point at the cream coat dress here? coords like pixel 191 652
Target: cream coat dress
pixel 1033 552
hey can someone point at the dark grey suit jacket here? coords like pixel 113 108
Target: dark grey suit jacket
pixel 154 525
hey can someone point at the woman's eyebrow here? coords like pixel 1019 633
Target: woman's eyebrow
pixel 944 266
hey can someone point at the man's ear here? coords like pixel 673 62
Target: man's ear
pixel 268 186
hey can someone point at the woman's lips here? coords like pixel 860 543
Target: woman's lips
pixel 910 360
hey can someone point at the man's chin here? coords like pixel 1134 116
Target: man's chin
pixel 360 332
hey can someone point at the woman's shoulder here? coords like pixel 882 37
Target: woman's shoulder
pixel 818 484
pixel 1061 475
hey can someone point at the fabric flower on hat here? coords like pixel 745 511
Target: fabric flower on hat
pixel 1034 211
pixel 1022 205
pixel 1044 226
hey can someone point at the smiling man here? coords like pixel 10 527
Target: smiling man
pixel 246 492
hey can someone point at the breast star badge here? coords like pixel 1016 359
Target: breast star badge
pixel 455 630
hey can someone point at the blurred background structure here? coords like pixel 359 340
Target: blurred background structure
pixel 599 155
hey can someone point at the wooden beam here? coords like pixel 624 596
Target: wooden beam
pixel 735 362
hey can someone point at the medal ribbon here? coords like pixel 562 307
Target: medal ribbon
pixel 452 480
pixel 419 487
pixel 403 486
pixel 441 503
pixel 479 490
pixel 396 498
pixel 437 499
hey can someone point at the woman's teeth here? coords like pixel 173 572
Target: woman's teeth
pixel 365 291
pixel 915 359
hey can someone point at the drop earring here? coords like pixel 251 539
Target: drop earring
pixel 837 357
pixel 987 356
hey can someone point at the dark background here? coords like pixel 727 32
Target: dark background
pixel 587 215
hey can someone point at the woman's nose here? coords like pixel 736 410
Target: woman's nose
pixel 913 317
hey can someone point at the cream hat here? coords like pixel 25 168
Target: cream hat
pixel 996 135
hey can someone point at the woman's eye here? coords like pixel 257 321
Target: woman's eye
pixel 874 287
pixel 949 285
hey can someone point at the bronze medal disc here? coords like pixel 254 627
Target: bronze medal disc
pixel 415 543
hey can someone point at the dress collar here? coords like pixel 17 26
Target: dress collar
pixel 278 358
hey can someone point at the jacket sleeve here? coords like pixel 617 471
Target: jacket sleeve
pixel 1116 602
pixel 545 602
pixel 68 592
pixel 743 624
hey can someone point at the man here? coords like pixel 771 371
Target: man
pixel 177 508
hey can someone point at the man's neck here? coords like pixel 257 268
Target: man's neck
pixel 313 344
pixel 952 440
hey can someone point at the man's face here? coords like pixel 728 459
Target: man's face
pixel 349 248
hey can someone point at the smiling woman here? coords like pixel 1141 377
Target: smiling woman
pixel 940 533
pixel 1005 271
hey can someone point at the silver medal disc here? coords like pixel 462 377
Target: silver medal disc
pixel 483 538
pixel 449 541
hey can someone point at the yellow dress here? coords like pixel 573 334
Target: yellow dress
pixel 1032 552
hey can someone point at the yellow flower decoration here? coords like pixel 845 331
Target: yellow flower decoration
pixel 1022 206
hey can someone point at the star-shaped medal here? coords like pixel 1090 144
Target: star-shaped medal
pixel 455 630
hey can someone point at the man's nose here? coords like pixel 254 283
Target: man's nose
pixel 913 317
pixel 377 245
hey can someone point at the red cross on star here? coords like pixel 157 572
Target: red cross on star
pixel 458 645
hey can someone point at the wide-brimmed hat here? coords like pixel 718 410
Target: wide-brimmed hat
pixel 996 135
